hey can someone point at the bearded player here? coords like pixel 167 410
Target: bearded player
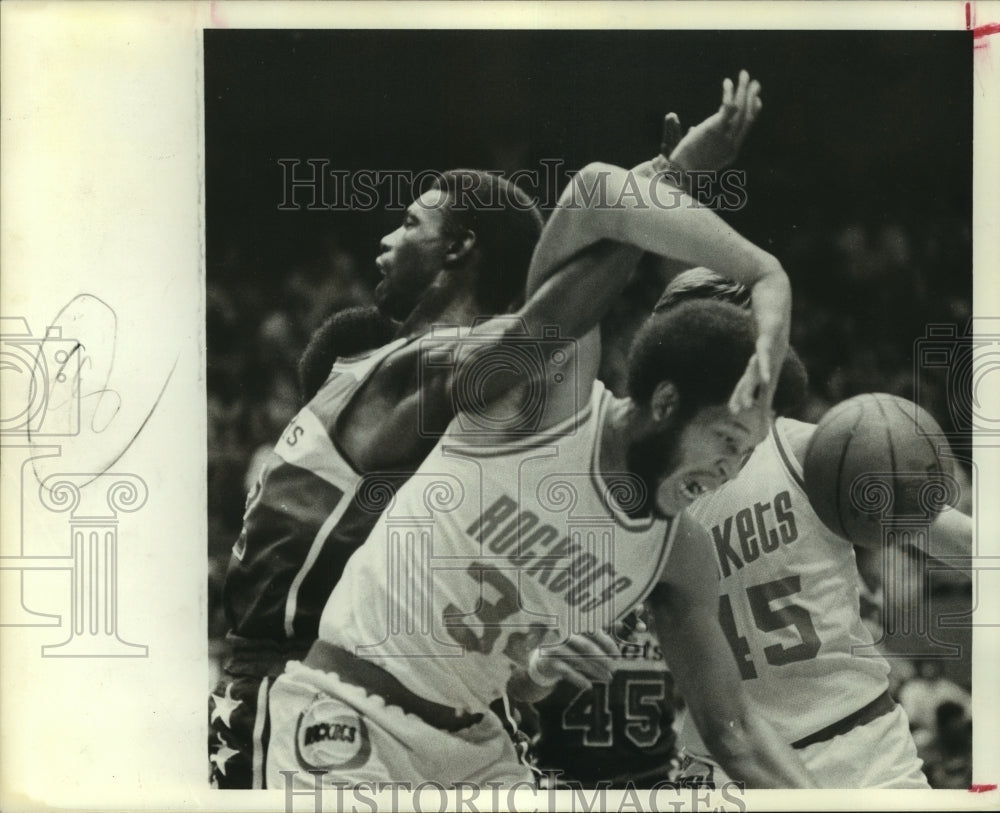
pixel 462 250
pixel 475 570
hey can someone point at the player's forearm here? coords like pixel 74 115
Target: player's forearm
pixel 771 300
pixel 705 673
pixel 951 538
pixel 744 744
pixel 691 233
pixel 750 751
pixel 657 217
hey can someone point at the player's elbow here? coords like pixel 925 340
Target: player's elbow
pixel 760 266
pixel 595 172
pixel 591 191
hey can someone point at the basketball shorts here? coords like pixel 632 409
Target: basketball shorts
pixel 878 754
pixel 237 732
pixel 324 726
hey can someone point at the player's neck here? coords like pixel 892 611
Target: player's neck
pixel 444 304
pixel 616 435
pixel 626 436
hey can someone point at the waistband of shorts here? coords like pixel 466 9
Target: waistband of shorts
pixel 374 679
pixel 881 705
pixel 261 657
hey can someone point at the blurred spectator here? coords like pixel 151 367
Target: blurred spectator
pixel 922 694
pixel 948 755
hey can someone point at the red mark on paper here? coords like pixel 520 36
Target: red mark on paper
pixel 982 788
pixel 979 32
pixel 218 22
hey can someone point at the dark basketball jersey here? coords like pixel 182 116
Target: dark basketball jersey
pixel 303 521
pixel 615 732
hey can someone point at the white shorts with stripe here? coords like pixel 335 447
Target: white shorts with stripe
pixel 323 726
pixel 878 754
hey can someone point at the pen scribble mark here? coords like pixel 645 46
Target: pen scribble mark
pixel 93 326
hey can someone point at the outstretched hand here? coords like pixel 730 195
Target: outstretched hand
pixel 715 143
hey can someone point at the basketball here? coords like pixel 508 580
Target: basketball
pixel 872 460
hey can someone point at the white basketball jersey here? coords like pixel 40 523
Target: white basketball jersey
pixel 489 551
pixel 789 597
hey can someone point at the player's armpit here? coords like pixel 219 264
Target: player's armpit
pixel 395 415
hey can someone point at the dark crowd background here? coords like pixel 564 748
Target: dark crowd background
pixel 858 178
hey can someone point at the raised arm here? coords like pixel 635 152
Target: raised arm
pixel 585 257
pixel 579 268
pixel 605 202
pixel 685 606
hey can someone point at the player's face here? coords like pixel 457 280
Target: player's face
pixel 411 256
pixel 710 450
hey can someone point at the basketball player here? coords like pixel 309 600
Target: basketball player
pixel 475 566
pixel 619 732
pixel 789 606
pixel 447 263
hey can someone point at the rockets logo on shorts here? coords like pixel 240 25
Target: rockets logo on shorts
pixel 330 734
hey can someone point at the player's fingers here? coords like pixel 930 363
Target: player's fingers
pixel 631 622
pixel 626 626
pixel 743 84
pixel 605 643
pixel 597 647
pixel 579 669
pixel 727 92
pixel 672 134
pixel 727 110
pixel 587 656
pixel 770 356
pixel 735 124
pixel 574 676
pixel 747 388
pixel 750 111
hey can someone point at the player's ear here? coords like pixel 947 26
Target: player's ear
pixel 664 401
pixel 460 247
